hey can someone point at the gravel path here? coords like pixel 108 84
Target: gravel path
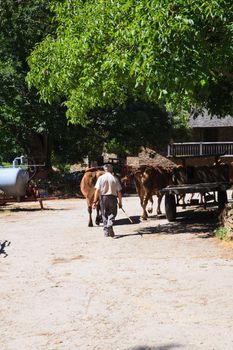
pixel 157 285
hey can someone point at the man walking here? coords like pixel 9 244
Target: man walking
pixel 107 190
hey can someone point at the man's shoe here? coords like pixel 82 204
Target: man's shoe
pixel 106 234
pixel 111 232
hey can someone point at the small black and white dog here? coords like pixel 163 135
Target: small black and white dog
pixel 3 245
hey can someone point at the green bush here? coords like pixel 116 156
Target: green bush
pixel 63 168
pixel 222 233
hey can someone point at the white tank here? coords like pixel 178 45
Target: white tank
pixel 13 181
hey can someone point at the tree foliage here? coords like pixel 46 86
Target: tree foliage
pixel 23 118
pixel 178 53
pixel 125 130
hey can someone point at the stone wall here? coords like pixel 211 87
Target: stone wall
pixel 150 157
pixel 132 162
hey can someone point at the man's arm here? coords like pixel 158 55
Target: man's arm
pixel 96 197
pixel 119 195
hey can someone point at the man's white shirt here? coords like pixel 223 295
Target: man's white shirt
pixel 108 184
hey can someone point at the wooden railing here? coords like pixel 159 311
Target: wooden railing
pixel 197 149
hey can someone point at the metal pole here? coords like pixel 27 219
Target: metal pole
pixel 127 216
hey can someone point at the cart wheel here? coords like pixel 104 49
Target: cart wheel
pixel 222 199
pixel 170 207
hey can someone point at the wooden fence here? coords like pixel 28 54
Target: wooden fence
pixel 196 149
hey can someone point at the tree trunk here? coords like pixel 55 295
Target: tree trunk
pixel 39 147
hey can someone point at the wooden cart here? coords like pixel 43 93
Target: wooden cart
pixel 211 194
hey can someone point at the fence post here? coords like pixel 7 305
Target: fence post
pixel 201 149
pixel 169 151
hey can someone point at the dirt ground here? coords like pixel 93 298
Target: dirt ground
pixel 157 285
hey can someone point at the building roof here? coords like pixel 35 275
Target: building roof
pixel 202 119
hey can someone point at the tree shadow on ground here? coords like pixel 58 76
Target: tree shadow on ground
pixel 30 209
pixel 160 347
pixel 201 223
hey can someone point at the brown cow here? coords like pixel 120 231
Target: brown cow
pixel 153 180
pixel 137 176
pixel 149 180
pixel 87 187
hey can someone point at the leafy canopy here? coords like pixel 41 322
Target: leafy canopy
pixel 178 53
pixel 125 130
pixel 27 125
pixel 23 23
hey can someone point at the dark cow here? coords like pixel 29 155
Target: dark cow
pixel 201 174
pixel 87 187
pixel 218 172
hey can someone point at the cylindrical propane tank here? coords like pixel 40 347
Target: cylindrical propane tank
pixel 13 181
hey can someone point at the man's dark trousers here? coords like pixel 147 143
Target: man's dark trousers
pixel 108 206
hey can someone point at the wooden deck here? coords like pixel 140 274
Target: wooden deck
pixel 200 149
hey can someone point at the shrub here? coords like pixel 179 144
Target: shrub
pixel 223 233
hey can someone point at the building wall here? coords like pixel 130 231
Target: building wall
pixel 224 134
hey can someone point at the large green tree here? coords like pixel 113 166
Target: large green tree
pixel 26 124
pixel 125 129
pixel 178 53
pixel 40 130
